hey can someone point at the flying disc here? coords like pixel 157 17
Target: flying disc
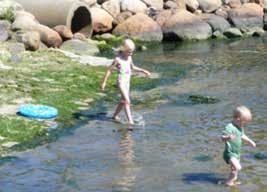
pixel 38 111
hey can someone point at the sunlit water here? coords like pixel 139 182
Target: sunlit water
pixel 176 146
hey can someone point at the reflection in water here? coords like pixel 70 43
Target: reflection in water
pixel 126 158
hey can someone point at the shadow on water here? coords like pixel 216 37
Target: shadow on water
pixel 211 178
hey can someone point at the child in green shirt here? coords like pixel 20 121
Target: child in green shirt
pixel 233 135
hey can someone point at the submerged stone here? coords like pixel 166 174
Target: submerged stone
pixel 200 99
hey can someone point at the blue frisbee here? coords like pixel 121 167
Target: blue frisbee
pixel 38 111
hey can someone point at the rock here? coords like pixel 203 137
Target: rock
pixel 90 2
pixel 192 5
pixel 112 7
pixel 184 25
pixel 222 12
pixel 30 39
pixel 200 99
pixel 162 16
pixel 135 6
pixel 64 32
pixel 102 20
pixel 15 50
pixel 260 2
pixel 249 15
pixel 254 31
pixel 48 36
pixel 233 33
pixel 4 30
pixel 106 36
pixel 218 35
pixel 24 21
pixel 209 6
pixel 123 16
pixel 217 23
pixel 170 5
pixel 79 36
pixel 140 26
pixel 180 4
pixel 234 3
pixel 156 4
pixel 79 47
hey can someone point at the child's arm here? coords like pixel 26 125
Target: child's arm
pixel 226 138
pixel 138 69
pixel 248 140
pixel 108 73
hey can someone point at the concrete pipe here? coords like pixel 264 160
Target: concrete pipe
pixel 75 14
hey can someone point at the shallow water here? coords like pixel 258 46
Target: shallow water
pixel 176 146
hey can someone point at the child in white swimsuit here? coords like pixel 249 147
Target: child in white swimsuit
pixel 124 65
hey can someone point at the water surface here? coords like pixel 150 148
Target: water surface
pixel 176 146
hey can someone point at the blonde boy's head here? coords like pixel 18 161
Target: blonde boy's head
pixel 242 113
pixel 128 44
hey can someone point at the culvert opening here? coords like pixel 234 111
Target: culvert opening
pixel 81 21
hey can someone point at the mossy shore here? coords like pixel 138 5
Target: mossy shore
pixel 48 77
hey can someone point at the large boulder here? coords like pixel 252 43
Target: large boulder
pixel 135 6
pixel 157 4
pixel 140 26
pixel 30 39
pixel 102 20
pixel 247 16
pixel 184 25
pixel 24 21
pixel 234 3
pixel 209 6
pixel 192 5
pixel 79 47
pixel 216 22
pixel 123 16
pixel 163 16
pixel 48 36
pixel 112 7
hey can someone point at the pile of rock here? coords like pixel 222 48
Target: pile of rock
pixel 155 20
pixel 20 26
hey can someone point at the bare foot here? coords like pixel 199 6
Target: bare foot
pixel 116 118
pixel 230 184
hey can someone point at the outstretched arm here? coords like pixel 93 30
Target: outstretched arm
pixel 108 73
pixel 248 140
pixel 229 137
pixel 138 69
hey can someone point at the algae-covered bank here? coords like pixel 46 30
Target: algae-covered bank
pixel 46 77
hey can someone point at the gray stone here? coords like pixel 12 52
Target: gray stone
pixel 4 30
pixel 209 6
pixel 184 25
pixel 170 5
pixel 217 23
pixel 80 47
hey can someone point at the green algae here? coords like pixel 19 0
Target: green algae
pixel 50 78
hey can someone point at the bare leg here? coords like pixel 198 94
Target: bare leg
pixel 235 167
pixel 127 103
pixel 118 110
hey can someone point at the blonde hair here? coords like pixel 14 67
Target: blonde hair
pixel 126 45
pixel 242 112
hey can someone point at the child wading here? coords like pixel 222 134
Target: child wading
pixel 233 135
pixel 124 65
